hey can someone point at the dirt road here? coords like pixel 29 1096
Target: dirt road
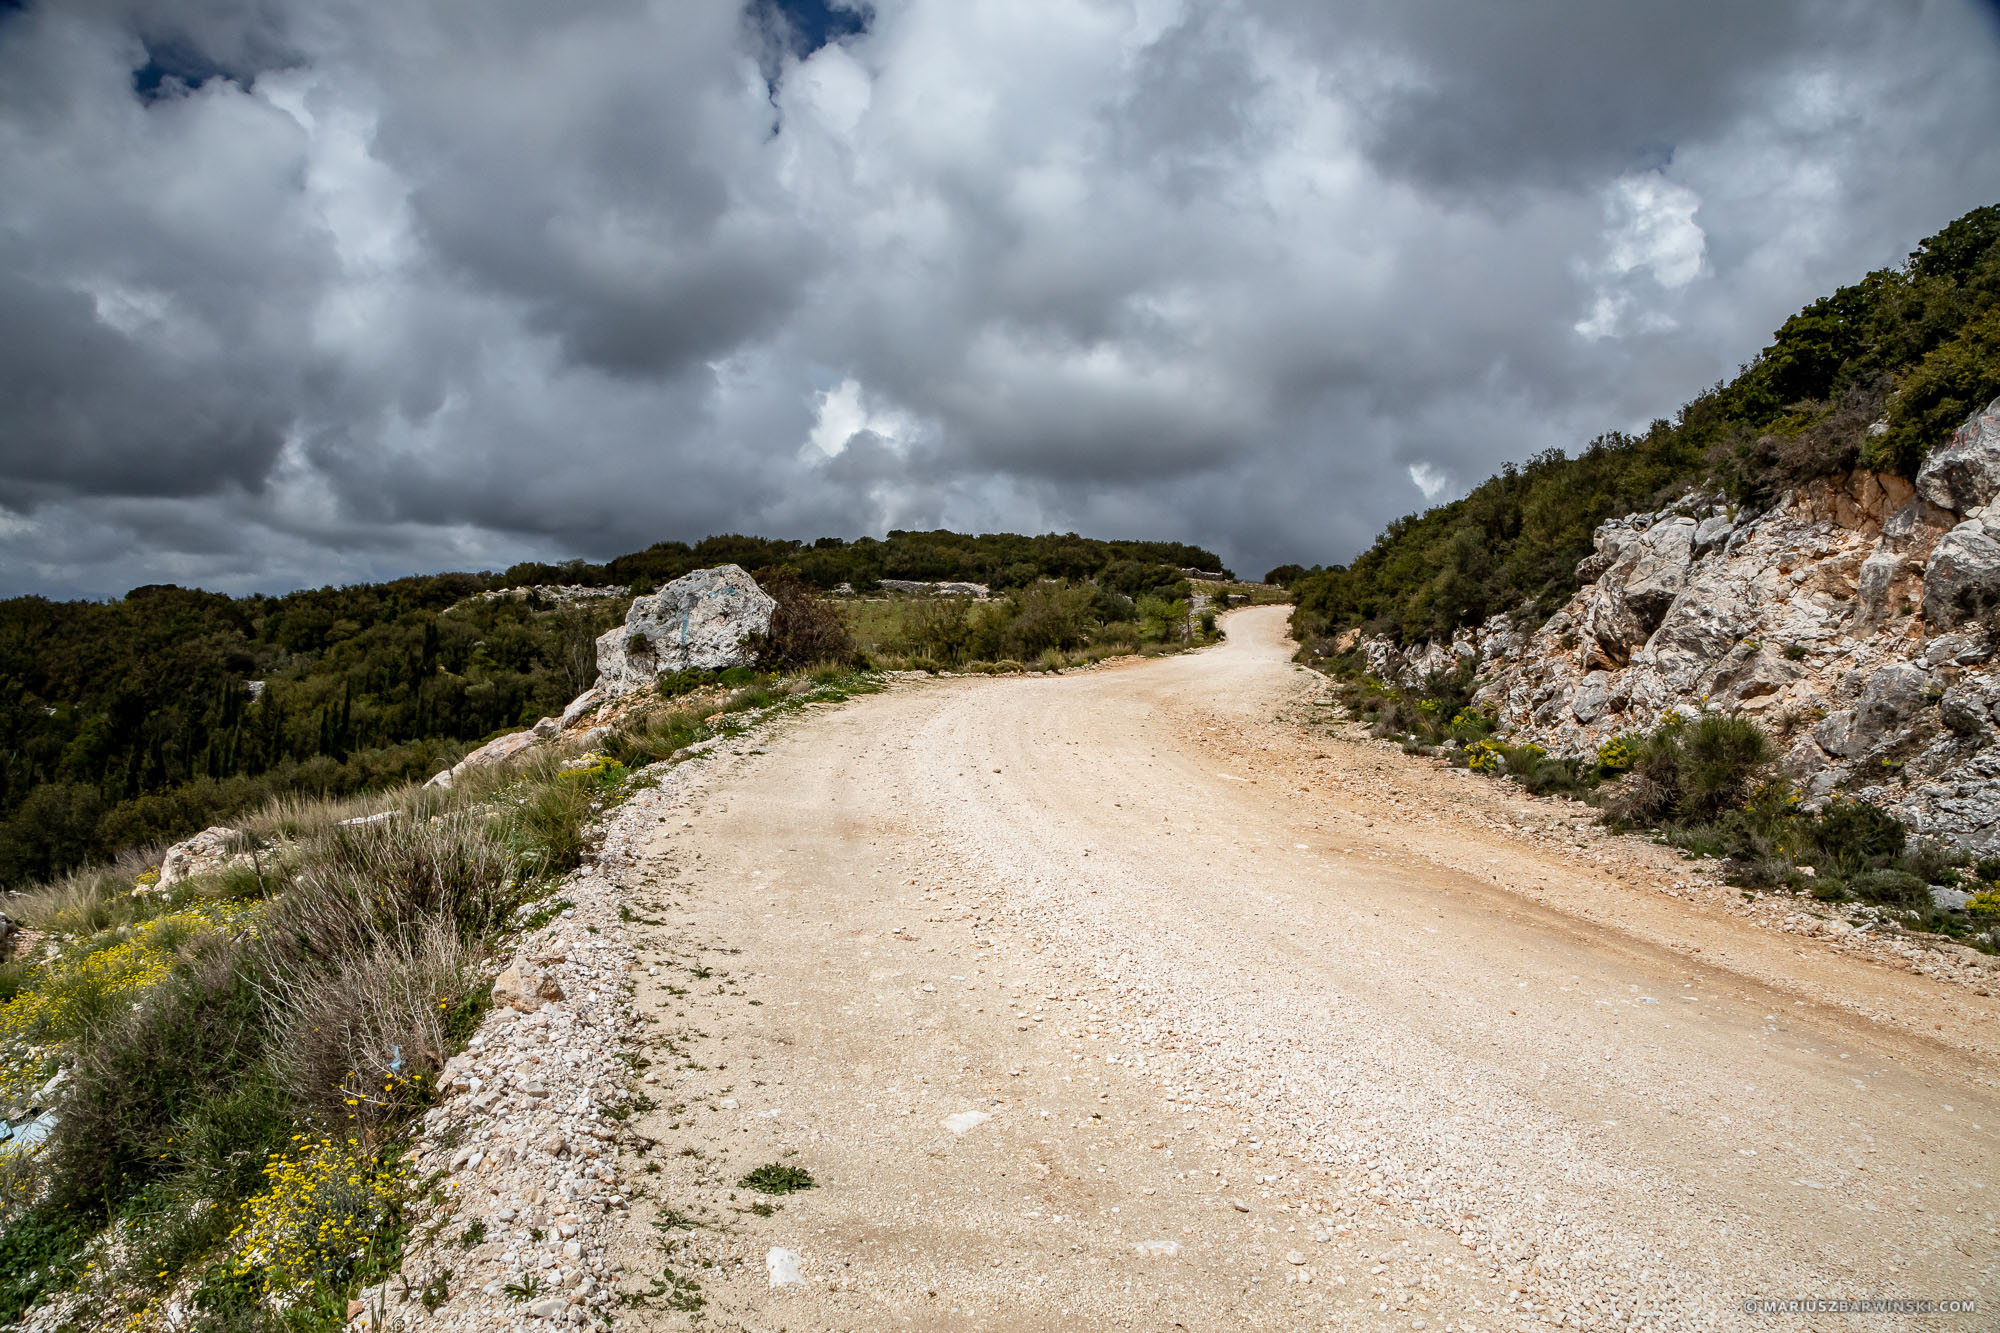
pixel 1138 998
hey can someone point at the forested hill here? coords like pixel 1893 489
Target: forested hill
pixel 1875 375
pixel 147 717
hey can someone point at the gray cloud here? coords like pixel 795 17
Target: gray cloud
pixel 304 293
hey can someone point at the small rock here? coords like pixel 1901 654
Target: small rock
pixel 1239 1205
pixel 1294 1257
pixel 965 1120
pixel 1158 1249
pixel 513 989
pixel 783 1266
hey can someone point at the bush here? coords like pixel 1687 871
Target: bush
pixel 191 1041
pixel 1721 758
pixel 41 1250
pixel 362 884
pixel 361 1044
pixel 805 629
pixel 1892 888
pixel 1851 836
pixel 1617 754
pixel 329 1205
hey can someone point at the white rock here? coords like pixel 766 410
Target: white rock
pixel 700 622
pixel 783 1266
pixel 204 853
pixel 965 1121
pixel 581 706
pixel 1965 473
pixel 1158 1249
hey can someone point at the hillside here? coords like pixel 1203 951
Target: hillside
pixel 1876 375
pixel 145 718
pixel 1763 631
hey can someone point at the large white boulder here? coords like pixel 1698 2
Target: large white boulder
pixel 702 621
pixel 206 852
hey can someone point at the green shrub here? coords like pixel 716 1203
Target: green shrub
pixel 1550 776
pixel 1618 754
pixel 191 1040
pixel 41 1250
pixel 1849 836
pixel 549 826
pixel 1891 888
pixel 1722 758
pixel 1955 380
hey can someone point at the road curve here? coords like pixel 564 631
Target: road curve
pixel 1268 1027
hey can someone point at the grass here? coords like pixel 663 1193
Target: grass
pixel 244 1056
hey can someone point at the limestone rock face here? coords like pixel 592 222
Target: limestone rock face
pixel 1858 619
pixel 1963 577
pixel 700 622
pixel 1965 474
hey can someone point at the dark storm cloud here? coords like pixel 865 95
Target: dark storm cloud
pixel 304 292
pixel 1556 91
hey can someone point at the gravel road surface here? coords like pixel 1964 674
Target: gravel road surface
pixel 1146 997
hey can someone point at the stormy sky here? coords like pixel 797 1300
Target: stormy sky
pixel 295 293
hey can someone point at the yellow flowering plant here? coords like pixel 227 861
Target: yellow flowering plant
pixel 327 1204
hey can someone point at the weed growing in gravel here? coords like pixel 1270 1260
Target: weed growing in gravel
pixel 778 1178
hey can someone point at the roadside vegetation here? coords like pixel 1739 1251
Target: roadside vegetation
pixel 1876 375
pixel 1047 626
pixel 148 717
pixel 211 1089
pixel 1707 784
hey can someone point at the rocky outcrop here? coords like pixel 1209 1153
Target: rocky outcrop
pixel 497 750
pixel 1851 618
pixel 547 594
pixel 921 588
pixel 703 621
pixel 205 853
